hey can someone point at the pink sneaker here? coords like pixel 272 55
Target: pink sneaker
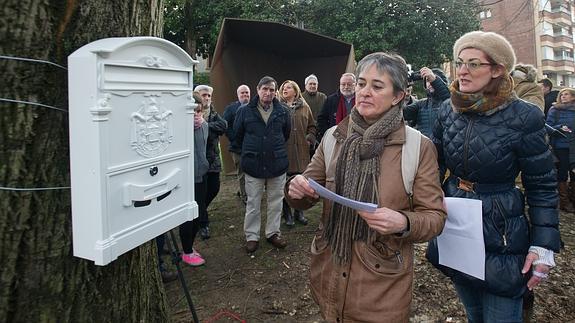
pixel 193 259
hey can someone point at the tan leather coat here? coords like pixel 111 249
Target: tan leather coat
pixel 376 286
pixel 302 127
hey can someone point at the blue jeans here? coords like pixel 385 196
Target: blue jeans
pixel 482 306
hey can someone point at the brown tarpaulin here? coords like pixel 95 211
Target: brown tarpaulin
pixel 247 50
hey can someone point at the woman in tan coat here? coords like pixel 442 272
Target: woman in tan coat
pixel 302 136
pixel 362 263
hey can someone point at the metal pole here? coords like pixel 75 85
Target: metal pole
pixel 176 260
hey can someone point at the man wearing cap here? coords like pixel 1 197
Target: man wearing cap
pixel 262 128
pixel 338 105
pixel 314 98
pixel 243 93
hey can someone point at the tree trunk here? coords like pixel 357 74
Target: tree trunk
pixel 40 280
pixel 190 42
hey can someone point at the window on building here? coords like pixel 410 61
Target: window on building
pixel 547 52
pixel 485 14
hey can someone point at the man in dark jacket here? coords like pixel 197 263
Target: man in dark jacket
pixel 423 113
pixel 262 128
pixel 338 105
pixel 243 93
pixel 549 93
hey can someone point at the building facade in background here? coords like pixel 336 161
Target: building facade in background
pixel 541 31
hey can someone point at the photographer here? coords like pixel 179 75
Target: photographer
pixel 423 113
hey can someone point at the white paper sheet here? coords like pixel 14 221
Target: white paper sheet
pixel 460 245
pixel 327 194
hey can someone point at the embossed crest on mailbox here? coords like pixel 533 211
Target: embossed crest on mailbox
pixel 131 144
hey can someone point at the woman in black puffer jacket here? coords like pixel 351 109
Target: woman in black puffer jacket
pixel 485 136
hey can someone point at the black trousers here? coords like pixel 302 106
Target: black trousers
pixel 213 188
pixel 563 173
pixel 189 229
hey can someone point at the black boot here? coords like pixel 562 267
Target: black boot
pixel 205 232
pixel 288 216
pixel 298 215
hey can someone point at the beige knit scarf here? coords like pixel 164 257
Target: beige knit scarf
pixel 356 177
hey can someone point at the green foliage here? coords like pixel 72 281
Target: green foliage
pixel 423 32
pixel 203 22
pixel 201 78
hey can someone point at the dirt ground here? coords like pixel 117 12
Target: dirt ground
pixel 271 285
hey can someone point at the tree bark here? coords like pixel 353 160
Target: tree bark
pixel 40 280
pixel 190 42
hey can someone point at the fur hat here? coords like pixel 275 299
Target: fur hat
pixel 524 72
pixel 494 45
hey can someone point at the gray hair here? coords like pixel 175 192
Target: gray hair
pixel 349 74
pixel 310 77
pixel 266 80
pixel 204 88
pixel 392 64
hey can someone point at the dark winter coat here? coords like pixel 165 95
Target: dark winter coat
pixel 262 146
pixel 326 117
pixel 315 101
pixel 490 150
pixel 217 127
pixel 550 98
pixel 561 115
pixel 423 113
pixel 230 116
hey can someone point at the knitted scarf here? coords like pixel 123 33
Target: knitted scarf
pixel 341 109
pixel 495 94
pixel 356 177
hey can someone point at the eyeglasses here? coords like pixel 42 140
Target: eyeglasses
pixel 472 65
pixel 347 84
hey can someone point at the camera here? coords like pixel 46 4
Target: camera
pixel 414 76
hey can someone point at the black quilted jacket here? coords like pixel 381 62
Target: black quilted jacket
pixel 490 151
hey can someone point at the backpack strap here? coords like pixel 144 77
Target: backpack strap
pixel 328 145
pixel 410 160
pixel 409 156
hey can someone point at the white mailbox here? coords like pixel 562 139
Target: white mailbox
pixel 131 143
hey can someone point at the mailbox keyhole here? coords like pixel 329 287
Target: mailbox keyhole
pixel 153 171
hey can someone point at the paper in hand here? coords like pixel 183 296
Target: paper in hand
pixel 327 194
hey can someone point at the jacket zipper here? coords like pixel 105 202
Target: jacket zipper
pixel 396 253
pixel 466 146
pixel 496 201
